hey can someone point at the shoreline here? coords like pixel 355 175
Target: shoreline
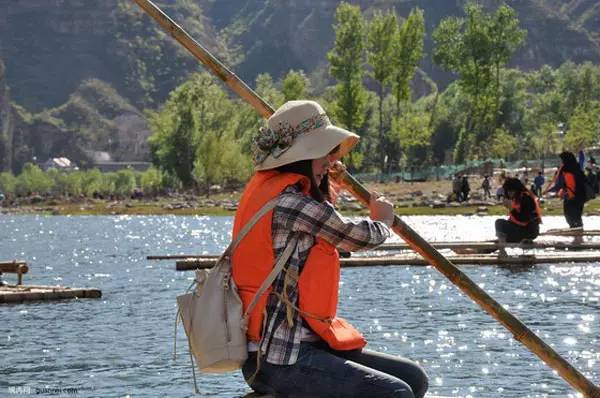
pixel 550 207
pixel 410 199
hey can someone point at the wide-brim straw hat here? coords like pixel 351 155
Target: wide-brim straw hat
pixel 304 132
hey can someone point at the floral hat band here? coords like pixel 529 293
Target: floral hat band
pixel 276 141
pixel 298 130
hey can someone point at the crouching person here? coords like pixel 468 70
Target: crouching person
pixel 298 347
pixel 524 217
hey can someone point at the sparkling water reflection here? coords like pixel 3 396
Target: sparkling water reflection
pixel 123 343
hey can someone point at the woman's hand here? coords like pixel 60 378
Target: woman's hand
pixel 381 209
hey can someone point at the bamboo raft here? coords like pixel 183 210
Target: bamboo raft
pixel 481 259
pixel 571 232
pixel 20 293
pixel 467 247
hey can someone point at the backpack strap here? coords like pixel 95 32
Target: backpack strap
pixel 270 205
pixel 281 261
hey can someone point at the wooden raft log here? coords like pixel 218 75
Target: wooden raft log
pixel 571 232
pixel 465 247
pixel 21 293
pixel 15 267
pixel 490 245
pixel 209 262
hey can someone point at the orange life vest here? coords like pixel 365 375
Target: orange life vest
pixel 318 283
pixel 570 184
pixel 516 205
pixel 568 191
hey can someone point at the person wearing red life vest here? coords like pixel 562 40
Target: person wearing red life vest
pixel 297 345
pixel 569 182
pixel 524 215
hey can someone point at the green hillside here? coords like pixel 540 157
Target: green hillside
pixel 49 49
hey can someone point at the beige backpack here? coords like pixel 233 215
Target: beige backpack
pixel 212 315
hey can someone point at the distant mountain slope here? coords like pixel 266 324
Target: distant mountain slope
pixel 582 14
pixel 278 35
pixel 50 46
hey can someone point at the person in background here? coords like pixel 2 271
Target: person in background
pixel 525 178
pixel 538 183
pixel 524 215
pixel 581 159
pixel 569 182
pixel 592 179
pixel 486 185
pixel 594 167
pixel 456 187
pixel 297 346
pixel 499 193
pixel 465 188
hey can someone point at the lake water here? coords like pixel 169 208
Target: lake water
pixel 122 344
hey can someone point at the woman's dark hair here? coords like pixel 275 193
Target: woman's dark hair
pixel 304 167
pixel 513 185
pixel 570 164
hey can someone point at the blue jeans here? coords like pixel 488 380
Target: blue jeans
pixel 323 372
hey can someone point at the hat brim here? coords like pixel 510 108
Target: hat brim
pixel 313 145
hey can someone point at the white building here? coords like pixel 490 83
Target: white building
pixel 60 164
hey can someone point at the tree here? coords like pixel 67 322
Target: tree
pixel 92 181
pixel 8 183
pixel 208 167
pixel 346 65
pixel 220 159
pixel 66 183
pixel 545 141
pixel 125 182
pixel 381 33
pixel 413 134
pixel 33 180
pixel 267 90
pixel 502 145
pixel 407 53
pixel 295 86
pixel 506 38
pixel 151 181
pixel 584 127
pixel 476 47
pixel 198 105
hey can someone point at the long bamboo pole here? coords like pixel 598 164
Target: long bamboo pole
pixel 461 280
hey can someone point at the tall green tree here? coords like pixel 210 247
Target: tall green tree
pixel 265 87
pixel 506 37
pixel 196 106
pixel 413 133
pixel 295 86
pixel 407 53
pixel 380 38
pixel 584 127
pixel 476 47
pixel 347 59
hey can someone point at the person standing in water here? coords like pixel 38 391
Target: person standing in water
pixel 297 346
pixel 524 215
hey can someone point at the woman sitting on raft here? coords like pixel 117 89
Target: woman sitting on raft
pixel 524 217
pixel 297 347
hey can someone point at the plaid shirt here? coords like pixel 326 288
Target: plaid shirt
pixel 304 217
